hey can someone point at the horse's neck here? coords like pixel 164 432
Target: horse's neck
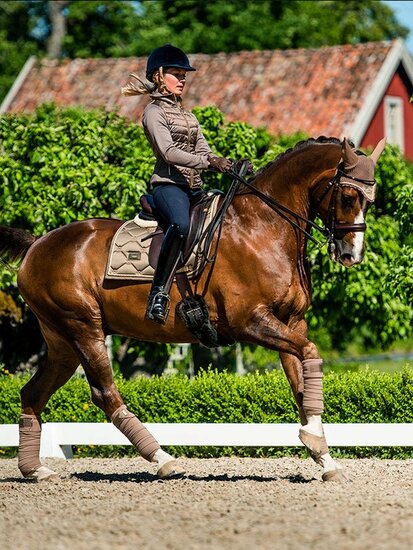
pixel 292 181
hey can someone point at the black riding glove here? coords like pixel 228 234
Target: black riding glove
pixel 220 164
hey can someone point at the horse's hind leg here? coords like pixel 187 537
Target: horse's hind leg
pixel 54 371
pixel 94 358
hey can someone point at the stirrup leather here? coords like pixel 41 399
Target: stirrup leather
pixel 159 304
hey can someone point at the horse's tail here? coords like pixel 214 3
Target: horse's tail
pixel 14 243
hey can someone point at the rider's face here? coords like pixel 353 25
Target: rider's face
pixel 175 80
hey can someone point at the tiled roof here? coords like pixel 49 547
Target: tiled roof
pixel 319 91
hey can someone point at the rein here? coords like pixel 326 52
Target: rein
pixel 282 210
pixel 331 227
pixel 217 223
pixel 328 231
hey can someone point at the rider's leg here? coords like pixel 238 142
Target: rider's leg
pixel 173 204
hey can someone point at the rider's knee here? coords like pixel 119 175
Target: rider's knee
pixel 183 228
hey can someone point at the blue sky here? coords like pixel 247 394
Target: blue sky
pixel 404 14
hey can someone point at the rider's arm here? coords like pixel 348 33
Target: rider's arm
pixel 201 144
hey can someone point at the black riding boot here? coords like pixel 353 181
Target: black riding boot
pixel 158 301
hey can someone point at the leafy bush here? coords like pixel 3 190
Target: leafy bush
pixel 350 397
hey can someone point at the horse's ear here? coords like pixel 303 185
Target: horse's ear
pixel 349 156
pixel 378 150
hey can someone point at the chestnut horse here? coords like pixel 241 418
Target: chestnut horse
pixel 258 291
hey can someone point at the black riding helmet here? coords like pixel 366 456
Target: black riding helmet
pixel 167 56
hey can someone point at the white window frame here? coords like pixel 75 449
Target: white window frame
pixel 394 120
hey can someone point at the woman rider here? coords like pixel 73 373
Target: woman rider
pixel 181 151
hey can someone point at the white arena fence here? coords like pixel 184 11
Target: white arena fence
pixel 58 437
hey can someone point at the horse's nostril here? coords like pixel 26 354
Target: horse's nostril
pixel 347 260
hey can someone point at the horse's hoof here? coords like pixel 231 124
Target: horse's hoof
pixel 43 473
pixel 170 470
pixel 335 475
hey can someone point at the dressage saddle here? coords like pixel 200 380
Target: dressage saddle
pixel 198 213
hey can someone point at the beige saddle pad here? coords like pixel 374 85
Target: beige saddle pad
pixel 129 249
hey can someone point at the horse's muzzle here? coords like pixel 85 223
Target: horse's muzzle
pixel 342 257
pixel 348 260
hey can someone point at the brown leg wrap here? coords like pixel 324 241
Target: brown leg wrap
pixel 136 432
pixel 30 429
pixel 313 402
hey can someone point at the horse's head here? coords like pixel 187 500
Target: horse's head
pixel 347 200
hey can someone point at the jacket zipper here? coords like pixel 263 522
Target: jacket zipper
pixel 188 147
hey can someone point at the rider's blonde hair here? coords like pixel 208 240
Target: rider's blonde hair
pixel 145 87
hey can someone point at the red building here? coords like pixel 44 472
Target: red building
pixel 360 91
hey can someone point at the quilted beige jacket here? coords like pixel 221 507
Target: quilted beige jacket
pixel 176 139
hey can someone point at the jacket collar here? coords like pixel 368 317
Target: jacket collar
pixel 172 99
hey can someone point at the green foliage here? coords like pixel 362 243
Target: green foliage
pixel 404 210
pixel 394 178
pixel 366 396
pixel 16 41
pixel 216 26
pixel 399 278
pixel 68 165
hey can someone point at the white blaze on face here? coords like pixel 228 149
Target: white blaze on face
pixel 358 239
pixel 349 250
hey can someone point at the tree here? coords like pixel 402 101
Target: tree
pixel 211 26
pixel 119 28
pixel 17 42
pixel 58 27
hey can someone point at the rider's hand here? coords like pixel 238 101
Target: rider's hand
pixel 220 164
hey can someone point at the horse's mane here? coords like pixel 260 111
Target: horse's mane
pixel 300 146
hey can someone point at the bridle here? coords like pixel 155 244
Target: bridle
pixel 331 227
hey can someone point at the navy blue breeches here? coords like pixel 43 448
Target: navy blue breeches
pixel 173 204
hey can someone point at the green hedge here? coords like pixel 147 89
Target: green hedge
pixel 367 396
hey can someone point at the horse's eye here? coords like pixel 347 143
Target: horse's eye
pixel 348 200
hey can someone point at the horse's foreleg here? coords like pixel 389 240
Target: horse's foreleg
pixel 54 371
pixel 311 432
pixel 303 367
pixel 93 355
